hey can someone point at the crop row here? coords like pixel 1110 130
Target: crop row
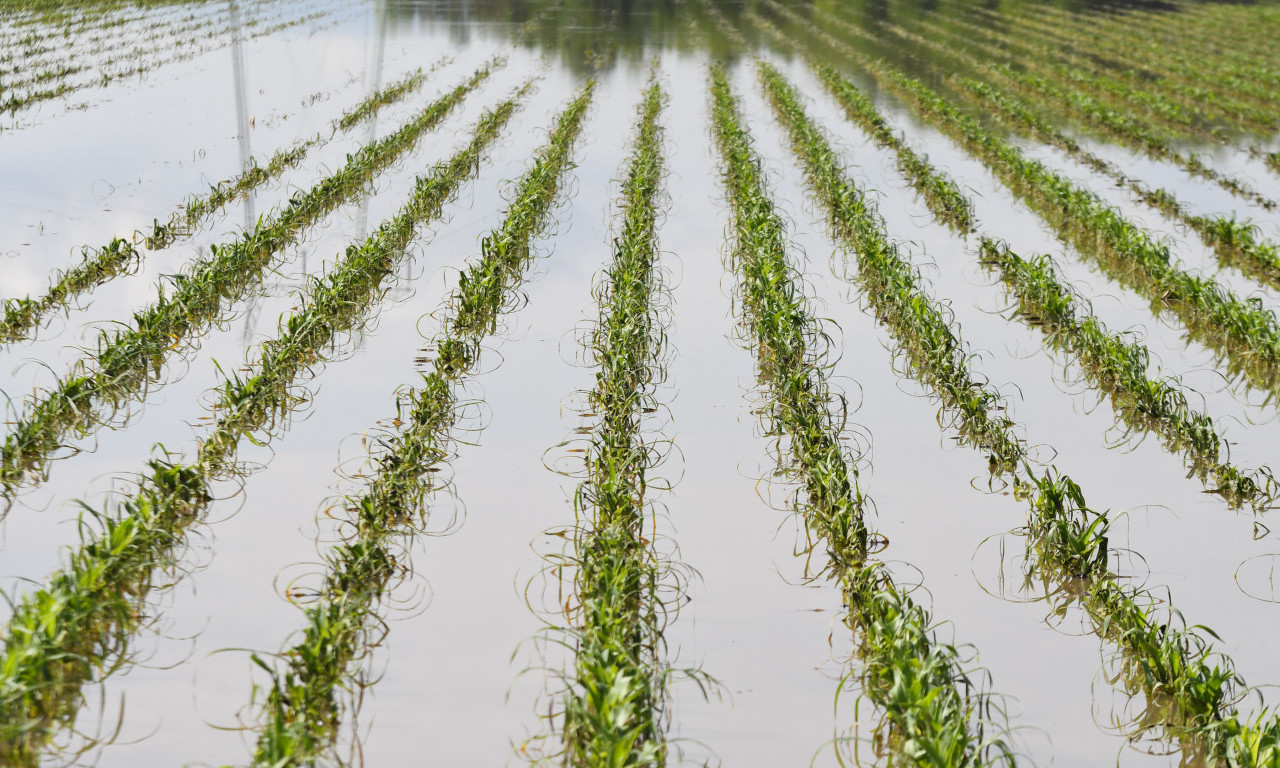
pixel 302 710
pixel 1086 107
pixel 131 360
pixel 16 102
pixel 934 713
pixel 616 689
pixel 1235 243
pixel 1191 689
pixel 80 624
pixel 1114 365
pixel 1243 334
pixel 1141 61
pixel 24 315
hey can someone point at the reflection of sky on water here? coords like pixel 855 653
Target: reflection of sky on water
pixel 74 177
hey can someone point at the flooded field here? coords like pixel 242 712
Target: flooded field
pixel 883 382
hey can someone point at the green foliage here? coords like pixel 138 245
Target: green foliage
pixel 77 628
pixel 130 360
pixel 302 708
pixel 1189 686
pixel 612 708
pixel 934 714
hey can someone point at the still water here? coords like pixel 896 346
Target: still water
pixel 458 680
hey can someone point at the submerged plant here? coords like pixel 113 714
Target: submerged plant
pixel 1192 689
pixel 302 709
pixel 78 627
pixel 130 360
pixel 935 715
pixel 612 709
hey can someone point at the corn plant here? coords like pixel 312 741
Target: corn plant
pixel 934 713
pixel 77 628
pixel 302 708
pixel 130 361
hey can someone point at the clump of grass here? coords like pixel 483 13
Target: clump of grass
pixel 1191 688
pixel 934 713
pixel 22 316
pixel 130 360
pixel 302 709
pixel 78 627
pixel 1118 367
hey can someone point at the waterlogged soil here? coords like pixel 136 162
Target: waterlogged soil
pixel 465 672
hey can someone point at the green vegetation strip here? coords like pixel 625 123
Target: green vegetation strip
pixel 618 682
pixel 130 360
pixel 303 713
pixel 935 714
pixel 78 627
pixel 1245 335
pixel 1118 366
pixel 1190 689
pixel 22 316
pixel 1236 243
pixel 1113 364
pixel 1120 126
pixel 941 194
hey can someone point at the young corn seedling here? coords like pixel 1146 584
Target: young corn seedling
pixel 1191 689
pixel 78 627
pixel 23 316
pixel 130 361
pixel 934 714
pixel 303 710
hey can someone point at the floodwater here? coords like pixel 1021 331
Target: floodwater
pixel 460 677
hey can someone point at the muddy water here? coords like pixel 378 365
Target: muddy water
pixel 459 680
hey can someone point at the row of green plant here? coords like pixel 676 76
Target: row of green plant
pixel 934 713
pixel 1086 108
pixel 1187 109
pixel 77 56
pixel 24 315
pixel 302 708
pixel 1236 243
pixel 1114 365
pixel 1140 59
pixel 1165 39
pixel 78 627
pixel 133 67
pixel 1081 106
pixel 616 689
pixel 1118 366
pixel 940 193
pixel 1191 689
pixel 1244 335
pixel 130 360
